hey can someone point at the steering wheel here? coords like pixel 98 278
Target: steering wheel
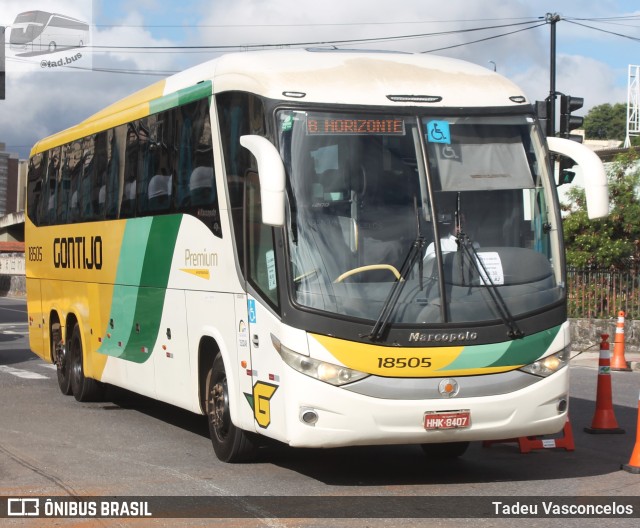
pixel 306 275
pixel 370 267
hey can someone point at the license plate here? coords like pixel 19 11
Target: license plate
pixel 447 420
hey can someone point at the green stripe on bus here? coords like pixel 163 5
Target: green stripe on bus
pixel 124 299
pixel 181 97
pixel 527 350
pixel 153 285
pixel 507 354
pixel 141 282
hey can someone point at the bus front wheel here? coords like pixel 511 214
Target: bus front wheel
pixel 230 443
pixel 84 389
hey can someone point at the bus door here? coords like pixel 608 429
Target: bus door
pixel 261 312
pixel 268 409
pixel 243 364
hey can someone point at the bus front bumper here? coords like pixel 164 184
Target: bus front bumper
pixel 321 415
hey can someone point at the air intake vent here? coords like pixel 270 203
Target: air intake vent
pixel 414 98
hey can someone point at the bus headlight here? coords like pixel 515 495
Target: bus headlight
pixel 548 365
pixel 320 370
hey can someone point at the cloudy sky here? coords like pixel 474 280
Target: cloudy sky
pixel 131 42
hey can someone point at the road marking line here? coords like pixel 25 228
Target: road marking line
pixel 26 374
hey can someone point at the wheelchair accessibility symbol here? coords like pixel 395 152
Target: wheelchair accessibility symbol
pixel 438 132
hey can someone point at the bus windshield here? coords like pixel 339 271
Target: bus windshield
pixel 472 193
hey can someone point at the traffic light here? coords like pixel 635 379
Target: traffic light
pixel 543 111
pixel 566 174
pixel 568 122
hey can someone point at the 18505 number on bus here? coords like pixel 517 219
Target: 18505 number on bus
pixel 404 362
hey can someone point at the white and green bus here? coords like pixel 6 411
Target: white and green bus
pixel 324 247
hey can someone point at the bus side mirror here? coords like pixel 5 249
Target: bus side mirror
pixel 595 179
pixel 272 178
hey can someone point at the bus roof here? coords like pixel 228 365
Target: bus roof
pixel 315 76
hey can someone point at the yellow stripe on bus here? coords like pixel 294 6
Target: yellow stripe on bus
pixel 128 109
pixel 406 362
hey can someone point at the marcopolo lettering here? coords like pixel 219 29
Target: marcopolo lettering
pixel 78 252
pixel 443 337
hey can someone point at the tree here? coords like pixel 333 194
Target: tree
pixel 612 242
pixel 606 121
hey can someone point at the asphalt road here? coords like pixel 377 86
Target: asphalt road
pixel 129 445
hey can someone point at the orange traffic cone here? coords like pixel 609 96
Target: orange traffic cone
pixel 634 463
pixel 618 361
pixel 604 421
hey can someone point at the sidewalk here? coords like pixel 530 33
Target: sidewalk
pixel 590 358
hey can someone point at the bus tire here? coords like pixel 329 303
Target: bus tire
pixel 61 359
pixel 230 443
pixel 448 450
pixel 84 389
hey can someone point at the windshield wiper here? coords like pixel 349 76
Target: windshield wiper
pixel 381 325
pixel 468 250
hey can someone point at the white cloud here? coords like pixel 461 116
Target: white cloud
pixel 523 57
pixel 130 32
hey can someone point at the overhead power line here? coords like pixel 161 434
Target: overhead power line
pixel 309 24
pixel 484 39
pixel 530 23
pixel 571 21
pixel 313 43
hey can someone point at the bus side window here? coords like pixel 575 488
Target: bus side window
pixel 37 165
pixel 55 186
pixel 195 182
pixel 129 191
pixel 162 162
pixel 260 245
pixel 239 114
pixel 99 176
pixel 88 168
pixel 146 146
pixel 202 183
pixel 47 210
pixel 112 184
pixel 62 187
pixel 73 163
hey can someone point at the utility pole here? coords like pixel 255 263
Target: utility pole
pixel 552 18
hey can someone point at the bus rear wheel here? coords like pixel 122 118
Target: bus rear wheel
pixel 230 443
pixel 84 389
pixel 447 451
pixel 61 359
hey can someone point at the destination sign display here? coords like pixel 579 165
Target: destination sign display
pixel 326 125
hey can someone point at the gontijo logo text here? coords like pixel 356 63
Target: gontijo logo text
pixel 78 252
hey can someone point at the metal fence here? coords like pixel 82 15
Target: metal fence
pixel 601 294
